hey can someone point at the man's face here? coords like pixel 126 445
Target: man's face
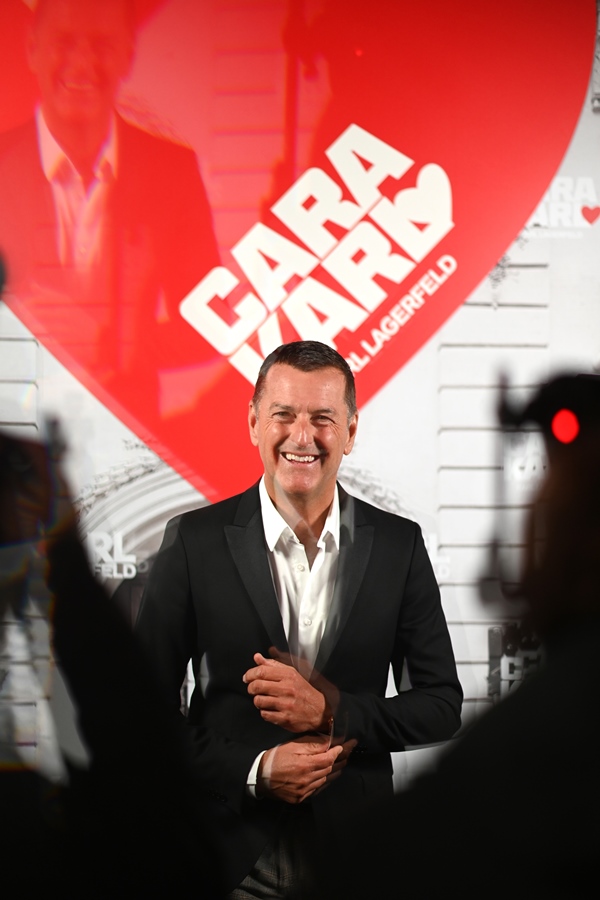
pixel 79 51
pixel 302 431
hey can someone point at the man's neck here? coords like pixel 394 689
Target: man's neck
pixel 80 142
pixel 306 518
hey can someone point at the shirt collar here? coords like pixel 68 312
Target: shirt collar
pixel 274 524
pixel 53 156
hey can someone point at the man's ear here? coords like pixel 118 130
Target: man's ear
pixel 352 426
pixel 252 418
pixel 126 72
pixel 31 51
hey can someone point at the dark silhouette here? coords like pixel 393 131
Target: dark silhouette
pixel 127 827
pixel 511 809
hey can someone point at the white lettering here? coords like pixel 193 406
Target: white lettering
pixel 389 326
pixel 419 217
pixel 360 255
pixel 356 362
pixel 352 150
pixel 311 202
pixel 247 361
pixel 378 338
pixel 561 214
pixel 585 192
pixel 195 309
pixel 561 189
pixel 118 555
pixel 339 312
pixel 257 249
pixel 99 546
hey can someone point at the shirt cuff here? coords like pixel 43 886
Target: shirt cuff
pixel 253 776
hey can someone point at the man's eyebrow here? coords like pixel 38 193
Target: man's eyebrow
pixel 282 406
pixel 285 407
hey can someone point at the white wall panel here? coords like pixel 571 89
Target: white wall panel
pixel 473 407
pixel 467 563
pixel 492 326
pixel 467 487
pixel 18 359
pixel 483 365
pixel 475 526
pixel 462 447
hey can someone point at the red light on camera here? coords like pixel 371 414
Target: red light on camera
pixel 565 426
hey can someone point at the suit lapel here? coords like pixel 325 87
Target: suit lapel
pixel 356 539
pixel 246 539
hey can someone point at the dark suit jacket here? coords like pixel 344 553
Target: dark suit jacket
pixel 159 243
pixel 211 592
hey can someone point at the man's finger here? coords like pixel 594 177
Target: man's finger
pixel 264 677
pixel 275 672
pixel 261 660
pixel 270 702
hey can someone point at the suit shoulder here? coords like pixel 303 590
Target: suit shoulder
pixel 17 141
pixel 382 518
pixel 135 140
pixel 212 516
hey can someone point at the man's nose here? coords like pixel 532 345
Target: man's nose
pixel 303 433
pixel 80 55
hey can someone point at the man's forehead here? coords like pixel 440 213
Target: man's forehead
pixel 326 375
pixel 287 386
pixel 113 15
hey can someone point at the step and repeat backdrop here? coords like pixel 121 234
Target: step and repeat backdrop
pixel 416 184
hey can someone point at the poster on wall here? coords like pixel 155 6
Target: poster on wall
pixel 364 166
pixel 186 184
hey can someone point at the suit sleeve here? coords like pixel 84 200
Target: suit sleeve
pixel 167 630
pixel 430 710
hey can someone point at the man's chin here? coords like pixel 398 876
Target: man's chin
pixel 302 485
pixel 81 111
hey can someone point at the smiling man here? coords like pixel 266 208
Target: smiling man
pixel 104 227
pixel 299 597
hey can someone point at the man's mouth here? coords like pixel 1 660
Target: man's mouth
pixel 79 87
pixel 295 457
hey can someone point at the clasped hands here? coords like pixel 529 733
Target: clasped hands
pixel 294 770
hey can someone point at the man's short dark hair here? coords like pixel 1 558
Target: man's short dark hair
pixel 308 356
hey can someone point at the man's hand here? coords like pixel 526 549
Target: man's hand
pixel 292 772
pixel 285 698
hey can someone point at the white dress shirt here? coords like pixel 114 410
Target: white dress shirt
pixel 304 593
pixel 80 211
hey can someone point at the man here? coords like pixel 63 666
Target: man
pixel 104 228
pixel 296 571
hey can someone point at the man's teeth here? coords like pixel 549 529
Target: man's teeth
pixel 78 85
pixel 301 459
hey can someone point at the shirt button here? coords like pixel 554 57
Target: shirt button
pixel 300 567
pixel 307 621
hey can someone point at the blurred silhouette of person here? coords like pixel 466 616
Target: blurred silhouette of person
pixel 104 227
pixel 123 828
pixel 511 810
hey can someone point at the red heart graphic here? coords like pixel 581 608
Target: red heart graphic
pixel 590 213
pixel 429 150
